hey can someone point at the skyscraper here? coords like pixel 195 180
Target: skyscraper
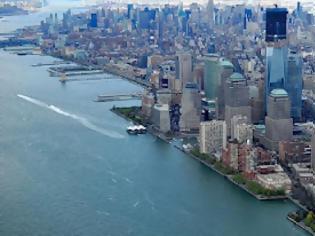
pixel 190 108
pixel 93 22
pixel 283 69
pixel 279 124
pixel 276 24
pixel 276 68
pixel 129 10
pixel 210 13
pixel 276 51
pixel 236 96
pixel 215 69
pixel 184 68
pixel 294 84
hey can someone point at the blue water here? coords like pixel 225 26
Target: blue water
pixel 67 167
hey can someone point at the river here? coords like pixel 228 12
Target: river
pixel 67 167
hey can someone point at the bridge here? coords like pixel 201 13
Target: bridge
pixel 118 97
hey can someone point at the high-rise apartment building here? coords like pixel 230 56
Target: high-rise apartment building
pixel 212 136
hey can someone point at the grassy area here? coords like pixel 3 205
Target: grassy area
pixel 304 218
pixel 224 169
pixel 309 220
pixel 133 113
pixel 212 161
pixel 257 188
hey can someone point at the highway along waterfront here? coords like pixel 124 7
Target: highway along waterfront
pixel 68 167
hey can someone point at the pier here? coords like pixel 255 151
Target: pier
pixel 118 97
pixel 52 64
pixel 73 71
pixel 64 79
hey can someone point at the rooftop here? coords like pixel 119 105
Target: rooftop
pixel 279 93
pixel 237 77
pixel 226 63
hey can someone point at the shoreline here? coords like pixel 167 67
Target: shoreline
pixel 301 226
pixel 226 176
pixel 229 177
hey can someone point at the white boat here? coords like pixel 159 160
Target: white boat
pixel 136 129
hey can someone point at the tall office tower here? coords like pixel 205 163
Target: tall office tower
pixel 276 24
pixel 236 96
pixel 279 124
pixel 294 84
pixel 190 108
pixel 210 13
pixel 93 22
pixel 212 136
pixel 144 19
pixel 183 66
pixel 258 104
pixel 129 10
pixel 276 51
pixel 215 69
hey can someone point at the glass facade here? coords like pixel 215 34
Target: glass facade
pixel 294 84
pixel 284 71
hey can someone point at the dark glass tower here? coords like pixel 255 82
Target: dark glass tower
pixel 93 22
pixel 276 24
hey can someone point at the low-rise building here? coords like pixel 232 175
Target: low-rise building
pixel 275 181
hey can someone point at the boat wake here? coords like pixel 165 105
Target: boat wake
pixel 83 121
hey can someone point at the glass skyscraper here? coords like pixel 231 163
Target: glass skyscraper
pixel 294 84
pixel 283 69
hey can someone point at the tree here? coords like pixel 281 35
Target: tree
pixel 309 220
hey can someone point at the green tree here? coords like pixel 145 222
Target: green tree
pixel 309 220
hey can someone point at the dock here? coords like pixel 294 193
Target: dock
pixel 118 97
pixel 51 64
pixel 72 71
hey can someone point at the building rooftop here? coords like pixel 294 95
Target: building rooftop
pixel 226 63
pixel 279 93
pixel 237 77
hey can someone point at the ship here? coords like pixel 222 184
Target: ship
pixel 136 129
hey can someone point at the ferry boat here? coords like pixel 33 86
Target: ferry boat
pixel 136 129
pixel 21 53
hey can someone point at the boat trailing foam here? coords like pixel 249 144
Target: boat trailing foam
pixel 83 121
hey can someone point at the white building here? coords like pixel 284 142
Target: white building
pixel 161 117
pixel 244 133
pixel 212 136
pixel 235 121
pixel 275 181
